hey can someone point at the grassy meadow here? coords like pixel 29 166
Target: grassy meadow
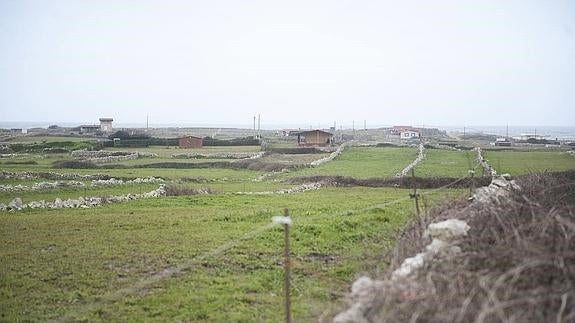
pixel 364 162
pixel 524 162
pixel 447 163
pixel 214 257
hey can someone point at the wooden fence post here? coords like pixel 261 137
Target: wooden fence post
pixel 414 195
pixel 287 270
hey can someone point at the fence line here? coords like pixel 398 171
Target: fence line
pixel 175 271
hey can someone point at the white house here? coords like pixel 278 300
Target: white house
pixel 409 134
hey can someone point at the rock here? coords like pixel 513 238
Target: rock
pixel 354 314
pixel 409 266
pixel 58 203
pixel 16 204
pixel 447 230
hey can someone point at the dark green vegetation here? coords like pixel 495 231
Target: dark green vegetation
pixel 206 257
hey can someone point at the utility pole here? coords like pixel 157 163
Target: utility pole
pixel 365 125
pixel 463 132
pixel 258 125
pixel 507 131
pixel 254 126
pixel 147 122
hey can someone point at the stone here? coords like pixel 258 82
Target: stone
pixel 16 204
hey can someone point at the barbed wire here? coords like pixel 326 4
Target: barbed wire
pixel 167 273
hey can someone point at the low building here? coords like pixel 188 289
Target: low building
pixel 87 129
pixel 318 138
pixel 409 134
pixel 106 124
pixel 503 142
pixel 191 142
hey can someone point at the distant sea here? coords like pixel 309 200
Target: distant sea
pixel 550 132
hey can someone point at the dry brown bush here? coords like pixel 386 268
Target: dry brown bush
pixel 517 263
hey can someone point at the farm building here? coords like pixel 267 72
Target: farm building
pixel 314 138
pixel 106 124
pixel 16 131
pixel 409 134
pixel 191 142
pixel 502 142
pixel 89 129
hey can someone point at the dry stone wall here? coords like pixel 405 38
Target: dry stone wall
pixel 81 202
pixel 419 159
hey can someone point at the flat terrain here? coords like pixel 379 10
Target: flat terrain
pixel 447 163
pixel 365 162
pixel 523 162
pixel 211 257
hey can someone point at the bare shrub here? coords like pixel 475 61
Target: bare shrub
pixel 177 190
pixel 517 264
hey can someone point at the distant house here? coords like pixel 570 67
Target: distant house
pixel 502 142
pixel 397 130
pixel 106 124
pixel 314 138
pixel 409 134
pixel 191 142
pixel 16 131
pixel 85 129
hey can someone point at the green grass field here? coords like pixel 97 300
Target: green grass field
pixel 521 162
pixel 447 163
pixel 76 261
pixel 364 162
pixel 207 258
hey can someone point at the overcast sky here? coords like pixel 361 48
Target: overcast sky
pixel 488 62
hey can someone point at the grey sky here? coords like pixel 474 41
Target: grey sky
pixel 294 62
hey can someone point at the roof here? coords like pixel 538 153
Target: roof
pixel 190 136
pixel 106 119
pixel 90 126
pixel 317 130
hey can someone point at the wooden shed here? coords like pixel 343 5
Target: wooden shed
pixel 314 138
pixel 191 142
